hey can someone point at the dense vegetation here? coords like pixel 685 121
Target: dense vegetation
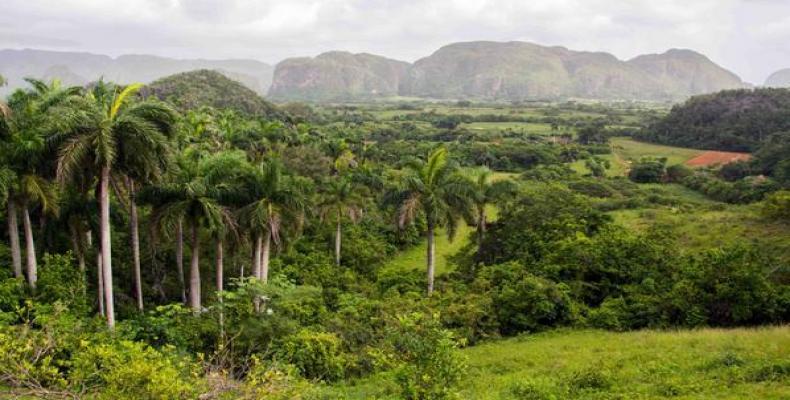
pixel 297 222
pixel 192 90
pixel 734 120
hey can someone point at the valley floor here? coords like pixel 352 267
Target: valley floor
pixel 587 364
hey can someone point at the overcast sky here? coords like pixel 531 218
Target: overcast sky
pixel 750 37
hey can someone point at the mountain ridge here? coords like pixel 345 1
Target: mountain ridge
pixel 517 70
pixel 16 65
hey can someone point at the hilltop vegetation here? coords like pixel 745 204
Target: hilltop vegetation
pixel 734 120
pixel 205 88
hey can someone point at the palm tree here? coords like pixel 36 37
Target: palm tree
pixel 24 121
pixel 193 199
pixel 487 191
pixel 105 129
pixel 271 200
pixel 341 198
pixel 436 189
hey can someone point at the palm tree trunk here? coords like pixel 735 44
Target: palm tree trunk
pixel 106 251
pixel 194 271
pixel 267 244
pixel 337 242
pixel 13 236
pixel 100 283
pixel 219 255
pixel 180 260
pixel 135 239
pixel 30 248
pixel 75 242
pixel 256 257
pixel 431 255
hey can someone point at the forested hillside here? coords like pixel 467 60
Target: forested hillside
pixel 735 120
pixel 184 241
pixel 205 88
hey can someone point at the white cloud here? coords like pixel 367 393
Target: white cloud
pixel 748 36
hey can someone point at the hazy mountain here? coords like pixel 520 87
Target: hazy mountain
pixel 80 68
pixel 686 72
pixel 337 75
pixel 503 71
pixel 194 89
pixel 779 78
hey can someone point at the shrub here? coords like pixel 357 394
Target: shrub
pixel 316 355
pixel 677 172
pixel 131 370
pixel 60 280
pixel 725 287
pixel 430 365
pixel 524 302
pixel 648 170
pixel 271 382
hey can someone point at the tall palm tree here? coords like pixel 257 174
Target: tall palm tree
pixel 487 191
pixel 340 199
pixel 273 202
pixel 24 122
pixel 104 129
pixel 193 199
pixel 436 189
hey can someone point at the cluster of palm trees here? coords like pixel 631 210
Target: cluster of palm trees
pixel 70 154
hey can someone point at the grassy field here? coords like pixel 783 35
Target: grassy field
pixel 710 227
pixel 697 364
pixel 524 127
pixel 414 257
pixel 626 151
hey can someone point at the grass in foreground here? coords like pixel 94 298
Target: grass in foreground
pixel 696 364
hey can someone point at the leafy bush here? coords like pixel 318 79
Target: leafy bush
pixel 524 302
pixel 726 287
pixel 677 172
pixel 131 370
pixel 648 170
pixel 431 368
pixel 316 355
pixel 60 280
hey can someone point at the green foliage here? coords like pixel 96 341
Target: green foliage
pixel 316 355
pixel 677 172
pixel 734 120
pixel 431 368
pixel 130 370
pixel 726 287
pixel 523 302
pixel 777 206
pixel 648 170
pixel 61 281
pixel 743 191
pixel 195 89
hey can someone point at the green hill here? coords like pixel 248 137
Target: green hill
pixel 190 90
pixel 735 120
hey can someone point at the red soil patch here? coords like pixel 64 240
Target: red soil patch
pixel 709 158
